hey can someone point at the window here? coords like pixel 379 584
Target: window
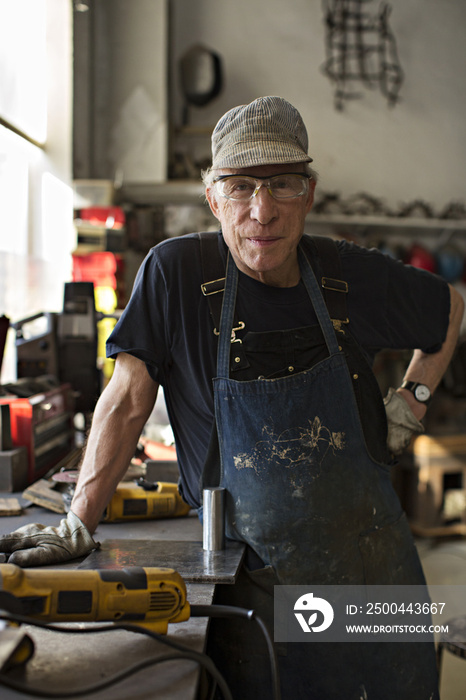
pixel 23 61
pixel 36 205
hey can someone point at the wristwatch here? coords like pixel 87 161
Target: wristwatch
pixel 421 392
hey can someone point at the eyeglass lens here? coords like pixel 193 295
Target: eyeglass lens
pixel 280 186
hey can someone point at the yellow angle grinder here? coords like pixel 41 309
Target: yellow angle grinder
pixel 145 501
pixel 152 597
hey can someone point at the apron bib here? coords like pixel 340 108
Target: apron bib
pixel 302 490
pixel 304 493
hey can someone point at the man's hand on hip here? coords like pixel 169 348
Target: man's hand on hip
pixel 402 423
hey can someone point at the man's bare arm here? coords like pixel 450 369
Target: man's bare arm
pixel 120 415
pixel 429 368
pixel 404 412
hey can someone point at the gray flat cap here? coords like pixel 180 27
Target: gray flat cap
pixel 267 131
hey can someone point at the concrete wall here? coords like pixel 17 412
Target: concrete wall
pixel 120 91
pixel 415 150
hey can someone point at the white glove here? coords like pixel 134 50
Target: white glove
pixel 402 423
pixel 38 545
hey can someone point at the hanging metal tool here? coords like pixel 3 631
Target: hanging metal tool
pixel 360 47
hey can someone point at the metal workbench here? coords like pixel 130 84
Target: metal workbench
pixel 65 662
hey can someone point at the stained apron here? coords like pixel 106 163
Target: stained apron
pixel 313 507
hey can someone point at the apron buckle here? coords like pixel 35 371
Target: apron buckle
pixel 234 339
pixel 214 287
pixel 337 324
pixel 335 285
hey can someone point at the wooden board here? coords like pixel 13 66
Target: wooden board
pixel 10 506
pixel 43 494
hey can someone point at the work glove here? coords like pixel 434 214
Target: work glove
pixel 402 423
pixel 38 545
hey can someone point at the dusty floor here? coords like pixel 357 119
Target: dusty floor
pixel 444 562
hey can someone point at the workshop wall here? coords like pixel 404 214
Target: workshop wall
pixel 414 150
pixel 120 91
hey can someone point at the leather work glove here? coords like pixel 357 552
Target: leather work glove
pixel 38 545
pixel 402 423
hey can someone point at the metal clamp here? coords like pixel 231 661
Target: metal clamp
pixel 337 324
pixel 239 327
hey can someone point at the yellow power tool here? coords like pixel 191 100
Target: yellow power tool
pixel 145 502
pixel 151 597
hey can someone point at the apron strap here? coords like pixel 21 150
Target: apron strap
pixel 313 289
pixel 226 320
pixel 334 286
pixel 213 268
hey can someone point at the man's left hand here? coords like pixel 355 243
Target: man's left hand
pixel 402 423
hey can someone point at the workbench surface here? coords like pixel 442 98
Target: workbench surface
pixel 68 662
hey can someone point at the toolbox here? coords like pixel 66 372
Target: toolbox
pixel 43 424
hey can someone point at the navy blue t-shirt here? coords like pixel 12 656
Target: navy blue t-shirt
pixel 167 325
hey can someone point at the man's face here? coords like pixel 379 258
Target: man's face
pixel 263 233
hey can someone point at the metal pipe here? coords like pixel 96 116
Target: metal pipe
pixel 214 518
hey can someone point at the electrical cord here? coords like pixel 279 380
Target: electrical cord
pixel 233 611
pixel 227 611
pixel 187 654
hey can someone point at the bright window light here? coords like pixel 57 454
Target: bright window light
pixel 14 194
pixel 58 233
pixel 23 66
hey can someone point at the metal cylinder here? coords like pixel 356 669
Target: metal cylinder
pixel 213 518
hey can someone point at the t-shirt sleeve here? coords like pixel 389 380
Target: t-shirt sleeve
pixel 394 305
pixel 141 331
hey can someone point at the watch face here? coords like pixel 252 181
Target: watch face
pixel 422 393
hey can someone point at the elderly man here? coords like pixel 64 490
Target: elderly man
pixel 275 400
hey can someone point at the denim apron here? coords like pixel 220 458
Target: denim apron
pixel 303 492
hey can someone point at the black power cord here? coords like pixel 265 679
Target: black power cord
pixel 203 660
pixel 185 653
pixel 232 611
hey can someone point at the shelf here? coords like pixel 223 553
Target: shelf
pixel 191 192
pixel 170 192
pixel 339 220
